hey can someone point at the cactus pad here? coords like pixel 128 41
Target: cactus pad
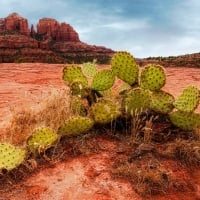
pixel 89 69
pixel 152 77
pixel 124 66
pixel 76 126
pixel 136 101
pixel 188 100
pixel 10 156
pixel 161 102
pixel 103 80
pixel 41 139
pixel 74 73
pixel 184 120
pixel 105 112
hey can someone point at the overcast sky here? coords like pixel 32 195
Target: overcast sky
pixel 142 27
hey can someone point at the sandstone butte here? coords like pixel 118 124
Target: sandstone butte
pixel 52 42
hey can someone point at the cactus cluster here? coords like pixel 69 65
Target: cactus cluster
pixel 141 91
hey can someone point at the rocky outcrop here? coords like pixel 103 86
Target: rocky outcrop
pixel 14 22
pixel 188 60
pixel 50 29
pixel 52 42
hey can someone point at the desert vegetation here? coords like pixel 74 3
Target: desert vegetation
pixel 124 103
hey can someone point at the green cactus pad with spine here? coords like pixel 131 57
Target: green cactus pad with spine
pixel 10 156
pixel 125 68
pixel 89 69
pixel 184 120
pixel 136 101
pixel 74 73
pixel 103 80
pixel 41 139
pixel 105 111
pixel 76 126
pixel 188 100
pixel 152 77
pixel 161 102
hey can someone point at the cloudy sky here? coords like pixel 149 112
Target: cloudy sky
pixel 142 27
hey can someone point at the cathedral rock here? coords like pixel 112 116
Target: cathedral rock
pixel 50 41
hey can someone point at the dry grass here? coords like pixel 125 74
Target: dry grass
pixel 142 125
pixel 52 110
pixel 148 177
pixel 188 152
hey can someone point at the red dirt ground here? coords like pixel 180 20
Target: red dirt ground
pixel 83 177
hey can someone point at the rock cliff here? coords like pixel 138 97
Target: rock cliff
pixel 52 42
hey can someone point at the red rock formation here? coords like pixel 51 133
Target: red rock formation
pixel 47 28
pixel 51 29
pixel 67 33
pixel 52 42
pixel 14 22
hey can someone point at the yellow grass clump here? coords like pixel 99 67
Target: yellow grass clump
pixel 52 110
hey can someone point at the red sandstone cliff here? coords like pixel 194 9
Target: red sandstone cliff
pixel 14 22
pixel 52 29
pixel 51 42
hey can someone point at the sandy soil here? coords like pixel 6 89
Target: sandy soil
pixel 83 177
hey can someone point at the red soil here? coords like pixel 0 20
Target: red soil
pixel 83 177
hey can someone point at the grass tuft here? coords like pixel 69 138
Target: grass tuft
pixel 52 110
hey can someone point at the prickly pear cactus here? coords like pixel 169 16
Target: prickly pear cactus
pixel 124 67
pixel 188 100
pixel 76 126
pixel 136 101
pixel 105 111
pixel 103 80
pixel 184 120
pixel 89 69
pixel 10 156
pixel 152 77
pixel 161 102
pixel 41 139
pixel 74 73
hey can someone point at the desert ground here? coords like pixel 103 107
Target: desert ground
pixel 83 176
